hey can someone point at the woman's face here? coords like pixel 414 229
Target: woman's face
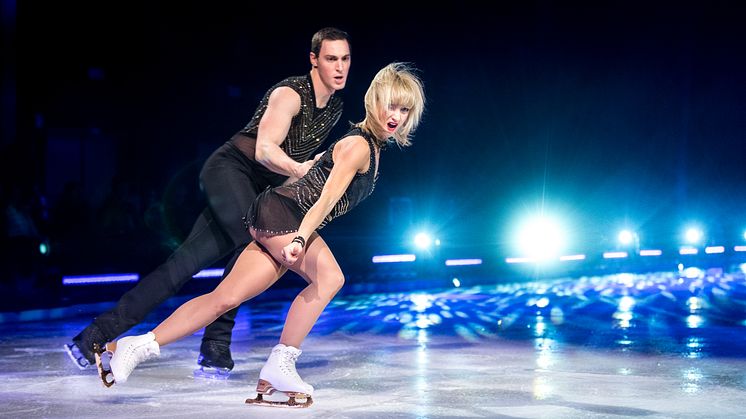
pixel 394 117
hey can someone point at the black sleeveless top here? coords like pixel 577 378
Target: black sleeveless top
pixel 280 210
pixel 309 128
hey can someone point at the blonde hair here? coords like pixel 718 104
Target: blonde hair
pixel 395 84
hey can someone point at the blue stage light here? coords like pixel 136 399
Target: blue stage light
pixel 209 273
pixel 541 238
pixel 626 237
pixel 394 258
pixel 423 240
pixel 463 262
pixel 99 279
pixel 693 235
pixel 651 252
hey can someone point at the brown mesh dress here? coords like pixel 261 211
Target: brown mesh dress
pixel 280 210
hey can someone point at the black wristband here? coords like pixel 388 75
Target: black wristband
pixel 300 240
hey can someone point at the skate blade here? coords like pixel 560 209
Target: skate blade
pixel 103 358
pixel 269 396
pixel 211 373
pixel 76 356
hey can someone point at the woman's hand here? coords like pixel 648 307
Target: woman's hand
pixel 291 253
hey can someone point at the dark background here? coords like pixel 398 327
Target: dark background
pixel 605 113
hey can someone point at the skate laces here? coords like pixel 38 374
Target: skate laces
pixel 139 352
pixel 287 361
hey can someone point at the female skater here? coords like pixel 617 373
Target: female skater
pixel 283 222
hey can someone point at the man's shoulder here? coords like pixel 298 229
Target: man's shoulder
pixel 295 82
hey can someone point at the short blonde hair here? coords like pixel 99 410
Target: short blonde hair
pixel 395 84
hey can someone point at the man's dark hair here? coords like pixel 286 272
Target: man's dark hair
pixel 327 34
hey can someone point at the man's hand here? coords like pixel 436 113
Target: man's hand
pixel 300 170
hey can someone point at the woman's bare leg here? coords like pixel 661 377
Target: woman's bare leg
pixel 321 270
pixel 254 272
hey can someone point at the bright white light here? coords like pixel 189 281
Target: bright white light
pixel 625 237
pixel 99 279
pixel 694 304
pixel 714 249
pixel 463 262
pixel 393 258
pixel 744 234
pixel 456 282
pixel 541 238
pixel 693 321
pixel 519 260
pixel 209 273
pixel 688 251
pixel 651 252
pixel 626 303
pixel 421 302
pixel 615 255
pixel 693 235
pixel 572 257
pixel 542 302
pixel 423 240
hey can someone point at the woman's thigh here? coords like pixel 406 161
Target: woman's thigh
pixel 254 272
pixel 316 262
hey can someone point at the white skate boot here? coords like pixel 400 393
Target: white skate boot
pixel 125 354
pixel 279 375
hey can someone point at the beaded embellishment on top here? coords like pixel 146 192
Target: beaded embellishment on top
pixel 309 127
pixel 304 193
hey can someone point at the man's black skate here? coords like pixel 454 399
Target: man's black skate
pixel 81 350
pixel 214 360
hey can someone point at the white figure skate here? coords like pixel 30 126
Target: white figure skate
pixel 119 359
pixel 279 375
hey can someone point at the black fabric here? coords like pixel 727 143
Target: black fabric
pixel 280 210
pixel 230 185
pixel 231 180
pixel 310 127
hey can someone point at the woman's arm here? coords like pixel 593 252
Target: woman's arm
pixel 351 155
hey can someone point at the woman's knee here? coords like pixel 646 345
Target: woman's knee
pixel 331 284
pixel 225 303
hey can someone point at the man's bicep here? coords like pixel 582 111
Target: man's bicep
pixel 284 104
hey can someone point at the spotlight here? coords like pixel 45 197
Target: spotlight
pixel 541 238
pixel 693 235
pixel 423 241
pixel 626 237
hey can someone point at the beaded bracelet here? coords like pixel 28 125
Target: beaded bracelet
pixel 300 240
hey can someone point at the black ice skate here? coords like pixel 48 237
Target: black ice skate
pixel 215 361
pixel 80 350
pixel 76 355
pixel 103 358
pixel 265 393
